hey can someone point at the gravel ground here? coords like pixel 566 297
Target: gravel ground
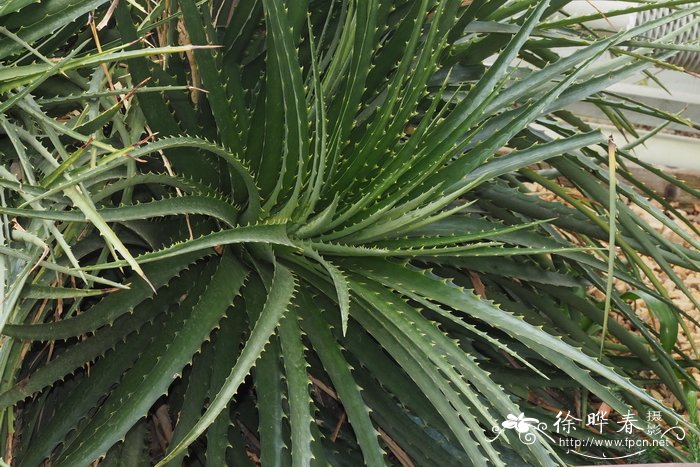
pixel 691 280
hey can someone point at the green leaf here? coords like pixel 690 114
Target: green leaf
pixel 668 319
pixel 209 66
pixel 108 309
pixel 341 287
pixel 180 205
pixel 36 21
pixel 82 201
pixel 226 349
pixel 86 351
pixel 278 300
pixel 40 291
pixel 282 45
pixel 301 416
pixel 16 76
pixel 338 370
pixel 412 281
pixel 152 375
pixel 268 376
pixel 194 398
pixel 262 233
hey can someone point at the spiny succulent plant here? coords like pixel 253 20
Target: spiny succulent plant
pixel 301 232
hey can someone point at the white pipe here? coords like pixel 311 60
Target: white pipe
pixel 591 7
pixel 687 59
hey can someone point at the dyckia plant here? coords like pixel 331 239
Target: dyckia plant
pixel 300 232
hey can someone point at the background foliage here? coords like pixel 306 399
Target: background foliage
pixel 299 233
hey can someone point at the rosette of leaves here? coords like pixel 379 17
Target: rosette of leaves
pixel 298 233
